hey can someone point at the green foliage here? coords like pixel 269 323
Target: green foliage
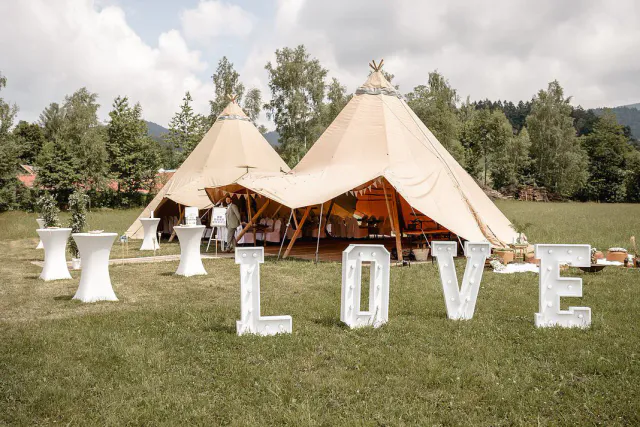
pixel 297 89
pixel 559 162
pixel 51 120
pixel 9 153
pixel 185 131
pixel 30 139
pixel 606 147
pixel 253 104
pixel 632 180
pixel 49 210
pixel 57 170
pixel 435 105
pixel 626 116
pixel 133 156
pixel 78 203
pixel 226 81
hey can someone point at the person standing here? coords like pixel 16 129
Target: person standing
pixel 233 221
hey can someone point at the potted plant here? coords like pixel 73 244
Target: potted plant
pixel 520 228
pixel 78 202
pixel 49 211
pixel 505 255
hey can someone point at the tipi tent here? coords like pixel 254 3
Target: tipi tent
pixel 228 150
pixel 378 148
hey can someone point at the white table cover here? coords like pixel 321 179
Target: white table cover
pixel 150 227
pixel 190 259
pixel 40 222
pixel 54 241
pixel 95 283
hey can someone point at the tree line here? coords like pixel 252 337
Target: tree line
pixel 544 142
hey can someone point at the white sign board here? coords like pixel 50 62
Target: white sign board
pixel 552 286
pixel 352 259
pixel 460 301
pixel 251 321
pixel 219 217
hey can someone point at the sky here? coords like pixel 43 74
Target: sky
pixel 153 51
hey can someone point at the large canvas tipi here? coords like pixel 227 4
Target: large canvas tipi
pixel 378 150
pixel 228 150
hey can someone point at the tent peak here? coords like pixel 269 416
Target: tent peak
pixel 376 67
pixel 232 97
pixel 377 84
pixel 232 111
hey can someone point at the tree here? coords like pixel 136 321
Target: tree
pixel 583 120
pixel 8 153
pixel 78 202
pixel 435 105
pixel 186 129
pixel 559 162
pixel 51 120
pixel 487 135
pixel 337 99
pixel 632 180
pixel 606 147
pixel 133 158
pixel 511 163
pixel 57 171
pixel 253 104
pixel 297 89
pixel 226 82
pixel 29 138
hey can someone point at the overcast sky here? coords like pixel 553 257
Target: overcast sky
pixel 155 50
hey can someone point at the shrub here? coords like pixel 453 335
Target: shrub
pixel 78 202
pixel 48 210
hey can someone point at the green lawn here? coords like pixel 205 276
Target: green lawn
pixel 167 352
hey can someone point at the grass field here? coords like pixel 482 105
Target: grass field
pixel 167 352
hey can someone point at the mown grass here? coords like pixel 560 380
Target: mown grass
pixel 167 353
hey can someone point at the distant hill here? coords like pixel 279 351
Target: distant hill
pixel 273 137
pixel 156 131
pixel 628 115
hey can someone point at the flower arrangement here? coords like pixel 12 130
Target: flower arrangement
pixel 48 210
pixel 78 202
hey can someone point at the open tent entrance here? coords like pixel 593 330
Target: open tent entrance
pixel 172 213
pixel 373 212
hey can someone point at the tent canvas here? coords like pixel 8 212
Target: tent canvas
pixel 228 150
pixel 377 135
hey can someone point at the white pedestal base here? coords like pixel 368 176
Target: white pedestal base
pixel 251 321
pixel 40 222
pixel 150 227
pixel 190 260
pixel 95 283
pixel 54 241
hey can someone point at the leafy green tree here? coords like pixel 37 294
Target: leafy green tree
pixel 83 131
pixel 435 105
pixel 559 162
pixel 8 153
pixel 511 163
pixel 253 104
pixel 133 157
pixel 337 99
pixel 226 82
pixel 51 120
pixel 632 180
pixel 57 170
pixel 487 134
pixel 30 138
pixel 297 84
pixel 49 210
pixel 186 129
pixel 606 147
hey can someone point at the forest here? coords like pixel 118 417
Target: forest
pixel 544 142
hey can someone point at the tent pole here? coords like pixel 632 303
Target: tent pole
pixel 173 233
pixel 253 219
pixel 284 236
pixel 394 221
pixel 297 233
pixel 396 208
pixel 249 216
pixel 319 231
pixel 326 220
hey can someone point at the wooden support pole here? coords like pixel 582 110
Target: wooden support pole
pixel 173 233
pixel 393 218
pixel 249 216
pixel 251 222
pixel 295 220
pixel 396 220
pixel 297 233
pixel 326 219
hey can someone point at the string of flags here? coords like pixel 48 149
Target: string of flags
pixel 363 191
pixel 238 195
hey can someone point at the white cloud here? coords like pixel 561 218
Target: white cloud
pixel 212 18
pixel 50 49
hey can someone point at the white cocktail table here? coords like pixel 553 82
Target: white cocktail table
pixel 150 227
pixel 190 260
pixel 40 226
pixel 95 283
pixel 54 241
